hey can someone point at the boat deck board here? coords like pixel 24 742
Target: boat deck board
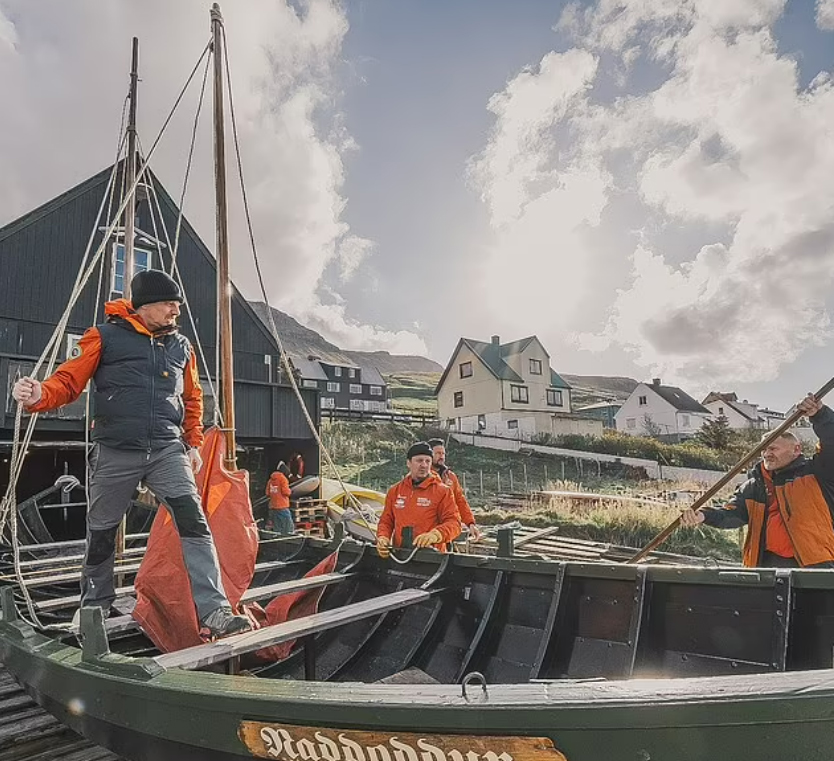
pixel 222 650
pixel 28 733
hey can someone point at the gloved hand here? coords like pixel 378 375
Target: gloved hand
pixel 195 459
pixel 428 539
pixel 383 546
pixel 27 391
pixel 474 532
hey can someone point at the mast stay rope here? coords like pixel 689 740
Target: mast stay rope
pixel 285 361
pixel 20 446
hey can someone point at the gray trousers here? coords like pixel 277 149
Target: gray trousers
pixel 114 476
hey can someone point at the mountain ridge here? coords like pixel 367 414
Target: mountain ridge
pixel 301 341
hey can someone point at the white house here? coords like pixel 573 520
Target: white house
pixel 507 390
pixel 665 411
pixel 739 414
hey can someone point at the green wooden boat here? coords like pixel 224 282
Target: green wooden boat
pixel 463 657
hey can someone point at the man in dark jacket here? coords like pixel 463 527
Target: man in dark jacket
pixel 787 502
pixel 148 423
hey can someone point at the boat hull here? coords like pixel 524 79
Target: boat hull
pixel 180 716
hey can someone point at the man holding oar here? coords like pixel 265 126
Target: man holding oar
pixel 787 502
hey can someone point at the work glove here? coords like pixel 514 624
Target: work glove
pixel 195 459
pixel 383 546
pixel 27 391
pixel 428 539
pixel 474 533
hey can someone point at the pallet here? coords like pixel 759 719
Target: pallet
pixel 312 528
pixel 309 510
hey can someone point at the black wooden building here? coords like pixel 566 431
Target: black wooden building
pixel 40 255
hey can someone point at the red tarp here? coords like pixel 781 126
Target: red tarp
pixel 164 605
pixel 291 606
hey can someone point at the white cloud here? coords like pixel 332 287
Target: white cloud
pixel 825 14
pixel 728 138
pixel 65 70
pixel 8 34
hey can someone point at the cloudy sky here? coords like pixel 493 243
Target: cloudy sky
pixel 648 186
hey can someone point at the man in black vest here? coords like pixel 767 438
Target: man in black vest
pixel 147 426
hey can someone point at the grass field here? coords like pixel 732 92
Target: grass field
pixel 413 392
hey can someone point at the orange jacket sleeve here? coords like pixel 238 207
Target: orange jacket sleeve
pixel 192 397
pixel 466 516
pixel 385 527
pixel 447 515
pixel 284 485
pixel 67 383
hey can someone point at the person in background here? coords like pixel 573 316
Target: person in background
pixel 449 478
pixel 147 427
pixel 296 468
pixel 787 502
pixel 278 490
pixel 423 502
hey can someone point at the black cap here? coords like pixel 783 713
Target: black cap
pixel 436 443
pixel 151 286
pixel 421 447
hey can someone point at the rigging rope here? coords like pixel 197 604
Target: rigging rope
pixel 8 505
pixel 217 414
pixel 273 329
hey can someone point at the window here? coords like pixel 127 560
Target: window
pixel 450 422
pixel 512 425
pixel 554 397
pixel 519 394
pixel 720 410
pixel 684 421
pixel 355 388
pixel 481 422
pixel 141 262
pixel 356 405
pixel 458 398
pixel 465 369
pixel 642 401
pixel 631 423
pixel 328 403
pixel 352 372
pixel 535 367
pixel 309 384
pixel 337 371
pixel 376 390
pixel 334 387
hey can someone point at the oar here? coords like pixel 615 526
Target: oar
pixel 725 479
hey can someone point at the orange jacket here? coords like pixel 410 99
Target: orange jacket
pixel 464 511
pixel 68 382
pixel 426 506
pixel 278 491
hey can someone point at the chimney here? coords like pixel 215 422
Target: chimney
pixel 655 381
pixel 496 340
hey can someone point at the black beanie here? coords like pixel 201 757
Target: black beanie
pixel 151 286
pixel 421 447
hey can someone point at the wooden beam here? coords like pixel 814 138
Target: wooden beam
pixel 222 650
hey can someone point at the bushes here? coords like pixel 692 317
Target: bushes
pixel 687 455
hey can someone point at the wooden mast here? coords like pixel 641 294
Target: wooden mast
pixel 224 288
pixel 130 171
pixel 129 234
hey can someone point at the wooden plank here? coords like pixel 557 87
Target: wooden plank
pixel 217 652
pixel 68 602
pixel 536 535
pixel 122 624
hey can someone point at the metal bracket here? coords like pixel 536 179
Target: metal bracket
pixel 93 634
